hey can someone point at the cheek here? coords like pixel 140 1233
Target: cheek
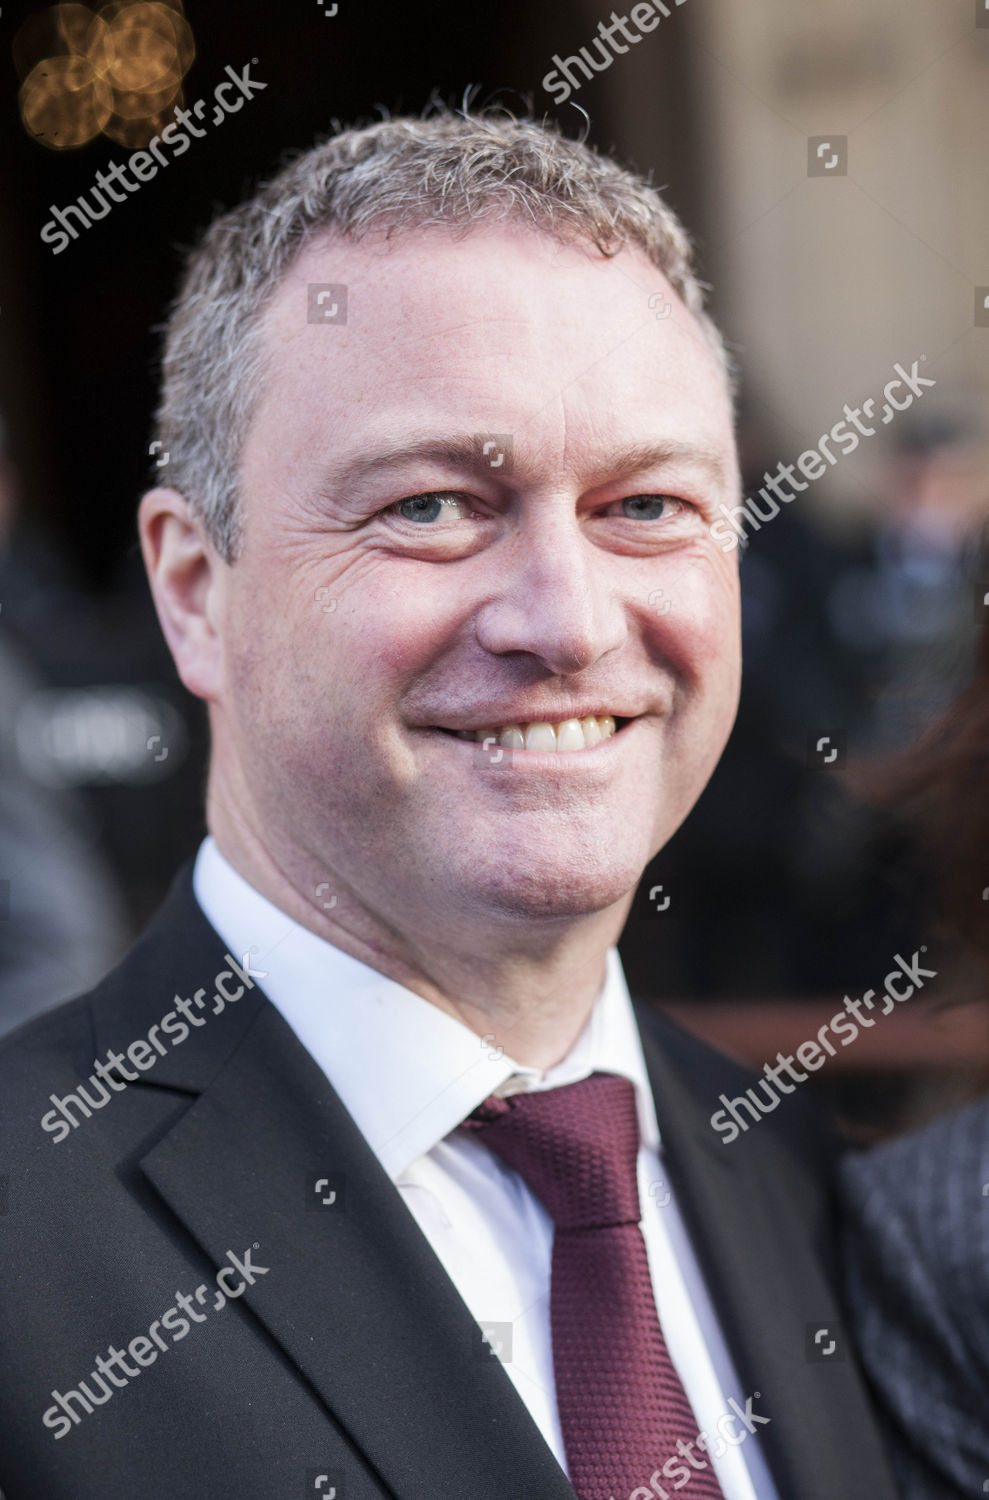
pixel 304 668
pixel 275 650
pixel 390 650
pixel 702 629
pixel 390 632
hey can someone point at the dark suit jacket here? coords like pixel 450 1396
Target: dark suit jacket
pixel 351 1361
pixel 916 1259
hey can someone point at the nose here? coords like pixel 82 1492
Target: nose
pixel 555 595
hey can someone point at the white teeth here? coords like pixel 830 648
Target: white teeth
pixel 540 737
pixel 570 735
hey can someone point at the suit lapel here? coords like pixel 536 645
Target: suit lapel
pixel 357 1299
pixel 352 1292
pixel 760 1232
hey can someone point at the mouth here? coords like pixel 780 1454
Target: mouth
pixel 563 736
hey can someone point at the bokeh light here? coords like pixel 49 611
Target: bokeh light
pixel 117 71
pixel 135 132
pixel 63 103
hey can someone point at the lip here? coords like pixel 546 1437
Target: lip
pixel 555 716
pixel 563 762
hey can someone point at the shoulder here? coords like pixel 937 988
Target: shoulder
pixel 43 1053
pixel 56 1052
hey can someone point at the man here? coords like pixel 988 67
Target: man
pixel 360 1176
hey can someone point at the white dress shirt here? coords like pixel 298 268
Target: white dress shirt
pixel 409 1074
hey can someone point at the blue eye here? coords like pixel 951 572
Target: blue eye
pixel 646 507
pixel 421 507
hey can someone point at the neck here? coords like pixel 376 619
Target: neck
pixel 525 987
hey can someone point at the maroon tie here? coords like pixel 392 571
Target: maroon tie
pixel 622 1407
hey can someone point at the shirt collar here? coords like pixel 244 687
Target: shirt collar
pixel 407 1072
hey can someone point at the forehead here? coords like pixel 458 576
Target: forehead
pixel 502 328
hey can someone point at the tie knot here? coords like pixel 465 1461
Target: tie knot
pixel 576 1147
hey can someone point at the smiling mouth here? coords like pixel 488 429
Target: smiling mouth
pixel 565 736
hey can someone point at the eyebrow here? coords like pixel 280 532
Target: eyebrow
pixel 467 452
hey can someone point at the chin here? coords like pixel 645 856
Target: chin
pixel 554 890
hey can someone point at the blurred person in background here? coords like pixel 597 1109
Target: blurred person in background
pixel 916 1243
pixel 62 921
pixel 902 607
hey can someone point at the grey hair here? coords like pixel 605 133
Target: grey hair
pixel 448 167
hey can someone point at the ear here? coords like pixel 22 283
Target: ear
pixel 187 578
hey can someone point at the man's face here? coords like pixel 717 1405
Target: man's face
pixel 406 573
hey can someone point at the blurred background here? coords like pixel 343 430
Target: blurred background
pixel 829 159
